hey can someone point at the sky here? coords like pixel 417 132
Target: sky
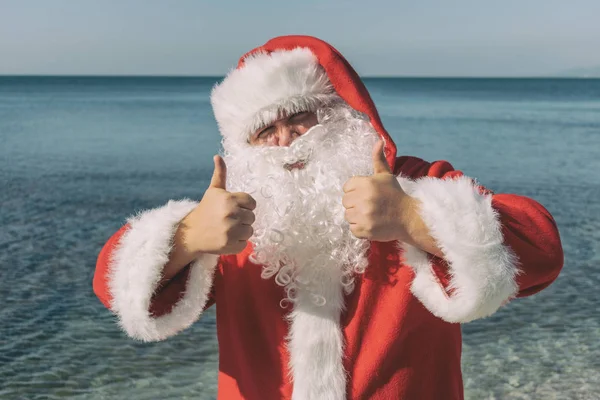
pixel 379 38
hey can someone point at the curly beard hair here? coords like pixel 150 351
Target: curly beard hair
pixel 300 235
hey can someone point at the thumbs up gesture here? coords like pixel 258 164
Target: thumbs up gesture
pixel 376 206
pixel 222 221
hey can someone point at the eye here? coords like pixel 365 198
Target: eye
pixel 263 134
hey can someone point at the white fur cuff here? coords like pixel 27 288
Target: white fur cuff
pixel 467 230
pixel 136 269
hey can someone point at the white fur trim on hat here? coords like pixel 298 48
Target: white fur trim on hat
pixel 467 229
pixel 136 269
pixel 266 85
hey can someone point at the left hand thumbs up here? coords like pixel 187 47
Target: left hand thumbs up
pixel 374 203
pixel 380 164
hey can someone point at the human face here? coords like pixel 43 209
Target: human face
pixel 299 220
pixel 283 131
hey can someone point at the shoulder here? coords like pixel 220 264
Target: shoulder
pixel 415 167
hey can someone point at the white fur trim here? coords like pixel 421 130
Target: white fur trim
pixel 136 269
pixel 467 229
pixel 316 345
pixel 253 96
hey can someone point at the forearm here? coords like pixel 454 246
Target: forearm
pixel 415 230
pixel 182 252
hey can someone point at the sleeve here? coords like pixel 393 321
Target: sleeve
pixel 496 246
pixel 130 266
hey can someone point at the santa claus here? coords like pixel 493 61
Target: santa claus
pixel 338 270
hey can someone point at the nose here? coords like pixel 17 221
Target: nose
pixel 286 136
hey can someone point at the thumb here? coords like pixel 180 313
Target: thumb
pixel 380 164
pixel 219 178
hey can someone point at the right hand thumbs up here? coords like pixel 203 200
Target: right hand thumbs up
pixel 222 222
pixel 219 178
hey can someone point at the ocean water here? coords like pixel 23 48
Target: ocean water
pixel 79 155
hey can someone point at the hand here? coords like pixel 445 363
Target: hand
pixel 376 206
pixel 222 222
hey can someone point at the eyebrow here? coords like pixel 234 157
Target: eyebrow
pixel 298 114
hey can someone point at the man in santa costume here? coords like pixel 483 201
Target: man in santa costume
pixel 339 271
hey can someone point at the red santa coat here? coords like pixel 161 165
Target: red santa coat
pixel 400 325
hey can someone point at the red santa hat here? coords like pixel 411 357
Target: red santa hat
pixel 289 74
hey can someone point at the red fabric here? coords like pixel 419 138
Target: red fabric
pixel 343 77
pixel 102 267
pixel 531 232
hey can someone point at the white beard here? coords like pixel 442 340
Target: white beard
pixel 300 234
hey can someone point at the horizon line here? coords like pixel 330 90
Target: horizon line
pixel 361 76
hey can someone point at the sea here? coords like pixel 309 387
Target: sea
pixel 78 155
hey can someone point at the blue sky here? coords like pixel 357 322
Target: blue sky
pixel 205 37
